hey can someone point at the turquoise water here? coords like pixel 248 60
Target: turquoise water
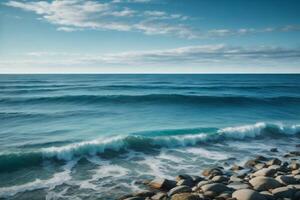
pixel 96 136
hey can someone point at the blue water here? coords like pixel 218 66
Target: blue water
pixel 63 136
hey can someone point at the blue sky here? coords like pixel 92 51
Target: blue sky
pixel 150 36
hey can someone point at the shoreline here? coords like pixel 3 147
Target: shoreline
pixel 259 178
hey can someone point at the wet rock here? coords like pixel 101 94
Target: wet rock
pixel 183 177
pixel 220 179
pixel 294 166
pixel 284 192
pixel 201 183
pixel 179 189
pixel 260 166
pixel 264 172
pixel 144 194
pixel 286 179
pixel 216 188
pixel 185 196
pixel 274 161
pixel 162 184
pixel 248 194
pixel 224 195
pixel 159 196
pixel 197 179
pixel 296 172
pixel 238 185
pixel 268 195
pixel 274 150
pixel 212 172
pixel 262 183
pixel 251 163
pixel 260 158
pixel 187 182
pixel 234 178
pixel 236 168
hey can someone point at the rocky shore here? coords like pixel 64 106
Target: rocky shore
pixel 260 178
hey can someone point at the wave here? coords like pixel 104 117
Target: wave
pixel 145 142
pixel 152 98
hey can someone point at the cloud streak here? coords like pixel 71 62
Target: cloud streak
pixel 79 15
pixel 199 55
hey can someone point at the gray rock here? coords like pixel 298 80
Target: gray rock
pixel 144 194
pixel 268 195
pixel 248 194
pixel 264 172
pixel 216 188
pixel 294 166
pixel 185 196
pixel 220 179
pixel 238 185
pixel 236 168
pixel 260 166
pixel 179 189
pixel 274 161
pixel 286 179
pixel 187 182
pixel 284 192
pixel 262 183
pixel 212 172
pixel 159 196
pixel 162 184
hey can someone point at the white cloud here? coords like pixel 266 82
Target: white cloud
pixel 184 56
pixel 73 15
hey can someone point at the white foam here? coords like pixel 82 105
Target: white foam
pixel 57 179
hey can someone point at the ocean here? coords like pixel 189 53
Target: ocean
pixel 100 136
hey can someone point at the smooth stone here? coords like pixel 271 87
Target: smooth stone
pixel 247 194
pixel 185 196
pixel 264 172
pixel 274 161
pixel 260 158
pixel 268 195
pixel 238 185
pixel 162 184
pixel 212 172
pixel 286 179
pixel 159 196
pixel 251 163
pixel 294 166
pixel 183 177
pixel 284 192
pixel 144 194
pixel 296 172
pixel 216 188
pixel 260 166
pixel 179 189
pixel 234 178
pixel 224 195
pixel 187 182
pixel 236 167
pixel 201 183
pixel 220 179
pixel 262 183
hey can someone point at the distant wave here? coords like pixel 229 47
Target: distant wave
pixel 146 142
pixel 151 98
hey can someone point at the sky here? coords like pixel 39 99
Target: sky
pixel 150 36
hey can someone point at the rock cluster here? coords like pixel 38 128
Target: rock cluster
pixel 260 178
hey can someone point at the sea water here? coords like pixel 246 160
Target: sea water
pixel 99 136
